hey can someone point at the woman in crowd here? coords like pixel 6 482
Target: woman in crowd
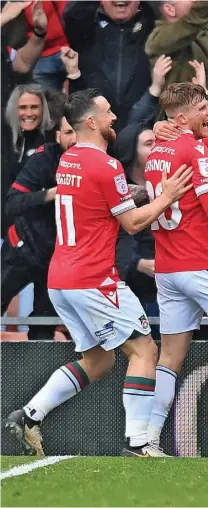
pixel 28 116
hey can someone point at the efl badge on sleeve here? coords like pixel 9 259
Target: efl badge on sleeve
pixel 121 184
pixel 203 166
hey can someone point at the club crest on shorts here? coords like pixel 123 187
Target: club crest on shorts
pixel 121 184
pixel 144 322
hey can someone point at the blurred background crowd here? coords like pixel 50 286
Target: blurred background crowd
pixel 129 50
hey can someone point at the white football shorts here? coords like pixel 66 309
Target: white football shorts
pixel 182 299
pixel 97 320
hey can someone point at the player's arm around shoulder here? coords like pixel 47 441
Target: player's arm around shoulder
pixel 174 189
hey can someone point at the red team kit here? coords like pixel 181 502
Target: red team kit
pixel 91 191
pixel 181 233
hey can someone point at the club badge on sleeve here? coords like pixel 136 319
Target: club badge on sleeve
pixel 121 184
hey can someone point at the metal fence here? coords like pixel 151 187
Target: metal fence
pixel 57 321
pixel 93 422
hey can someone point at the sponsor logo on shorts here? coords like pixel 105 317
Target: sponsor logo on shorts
pixel 144 322
pixel 107 332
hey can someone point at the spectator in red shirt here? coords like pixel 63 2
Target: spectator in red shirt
pixel 49 71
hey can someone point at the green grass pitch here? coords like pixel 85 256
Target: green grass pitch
pixel 108 481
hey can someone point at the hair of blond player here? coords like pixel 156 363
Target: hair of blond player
pixel 181 95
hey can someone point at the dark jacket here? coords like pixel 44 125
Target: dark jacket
pixel 111 55
pixel 28 142
pixel 33 218
pixel 145 110
pixel 26 146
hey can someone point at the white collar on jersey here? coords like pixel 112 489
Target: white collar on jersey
pixel 187 132
pixel 89 145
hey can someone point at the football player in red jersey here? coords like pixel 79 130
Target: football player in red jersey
pixel 99 310
pixel 181 239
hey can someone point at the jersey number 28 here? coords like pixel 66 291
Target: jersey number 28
pixel 176 215
pixel 67 202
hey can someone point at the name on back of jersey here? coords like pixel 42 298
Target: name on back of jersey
pixel 68 179
pixel 158 165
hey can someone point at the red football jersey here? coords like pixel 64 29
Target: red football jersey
pixel 91 191
pixel 181 233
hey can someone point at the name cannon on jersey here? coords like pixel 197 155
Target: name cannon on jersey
pixel 158 165
pixel 68 179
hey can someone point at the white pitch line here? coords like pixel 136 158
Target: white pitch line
pixel 27 468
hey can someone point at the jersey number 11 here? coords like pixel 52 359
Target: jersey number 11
pixel 67 202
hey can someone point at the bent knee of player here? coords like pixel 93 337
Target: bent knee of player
pixel 142 347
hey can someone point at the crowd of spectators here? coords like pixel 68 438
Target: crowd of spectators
pixel 129 50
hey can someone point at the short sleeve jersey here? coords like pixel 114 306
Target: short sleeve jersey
pixel 91 191
pixel 181 233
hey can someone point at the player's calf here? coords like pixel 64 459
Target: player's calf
pixel 97 363
pixel 139 388
pixel 174 349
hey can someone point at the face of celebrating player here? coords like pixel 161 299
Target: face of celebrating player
pixel 66 136
pixel 145 143
pixel 197 117
pixel 104 119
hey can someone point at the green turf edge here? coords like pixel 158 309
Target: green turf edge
pixel 9 461
pixel 111 481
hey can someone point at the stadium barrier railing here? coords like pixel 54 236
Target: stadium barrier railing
pixel 57 321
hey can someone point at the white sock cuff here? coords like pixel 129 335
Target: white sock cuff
pixel 161 368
